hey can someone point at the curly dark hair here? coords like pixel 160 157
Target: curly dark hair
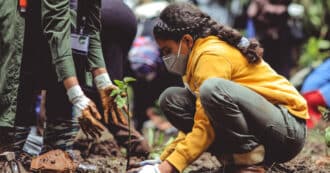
pixel 179 19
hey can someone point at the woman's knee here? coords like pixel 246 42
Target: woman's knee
pixel 210 85
pixel 178 105
pixel 213 90
pixel 167 97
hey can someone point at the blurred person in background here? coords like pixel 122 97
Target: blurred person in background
pixel 222 11
pixel 316 91
pixel 270 19
pixel 152 77
pixel 146 65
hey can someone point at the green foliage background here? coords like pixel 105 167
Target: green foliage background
pixel 316 26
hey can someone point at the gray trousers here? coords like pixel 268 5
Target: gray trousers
pixel 241 119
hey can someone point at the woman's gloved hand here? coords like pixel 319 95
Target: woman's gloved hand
pixel 150 169
pixel 146 169
pixel 105 87
pixel 147 162
pixel 86 111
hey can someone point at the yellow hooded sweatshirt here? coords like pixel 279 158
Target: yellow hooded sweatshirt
pixel 212 57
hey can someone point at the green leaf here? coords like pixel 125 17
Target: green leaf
pixel 119 83
pixel 324 44
pixel 117 99
pixel 120 101
pixel 129 79
pixel 115 92
pixel 312 53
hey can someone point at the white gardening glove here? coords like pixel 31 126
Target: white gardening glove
pixel 146 162
pixel 86 111
pixel 150 169
pixel 105 87
pixel 102 81
pixel 150 162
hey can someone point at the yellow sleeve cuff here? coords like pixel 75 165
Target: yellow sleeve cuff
pixel 165 154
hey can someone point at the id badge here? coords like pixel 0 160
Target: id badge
pixel 79 44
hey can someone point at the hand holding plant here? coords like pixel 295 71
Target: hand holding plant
pixel 110 106
pixel 114 101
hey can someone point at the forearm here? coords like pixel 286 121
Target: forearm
pixel 57 29
pixel 101 78
pixel 276 9
pixel 70 82
pixel 95 55
pixel 98 71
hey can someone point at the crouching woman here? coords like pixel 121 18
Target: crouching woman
pixel 234 104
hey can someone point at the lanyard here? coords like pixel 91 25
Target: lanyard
pixel 81 19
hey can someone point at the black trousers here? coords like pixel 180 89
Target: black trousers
pixel 241 118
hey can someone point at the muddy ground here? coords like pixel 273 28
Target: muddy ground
pixel 110 158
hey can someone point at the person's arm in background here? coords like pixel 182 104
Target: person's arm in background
pixel 42 115
pixel 276 8
pixel 56 24
pixel 264 6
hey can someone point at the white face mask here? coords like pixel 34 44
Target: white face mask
pixel 176 63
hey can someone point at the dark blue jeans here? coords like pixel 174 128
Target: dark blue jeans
pixel 241 118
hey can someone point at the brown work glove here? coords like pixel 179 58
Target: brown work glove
pixel 105 88
pixel 110 106
pixel 89 121
pixel 86 111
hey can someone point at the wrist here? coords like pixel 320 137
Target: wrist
pixel 102 81
pixel 98 71
pixel 74 93
pixel 70 82
pixel 167 167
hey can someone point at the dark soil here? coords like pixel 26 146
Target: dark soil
pixel 105 154
pixel 312 159
pixel 110 158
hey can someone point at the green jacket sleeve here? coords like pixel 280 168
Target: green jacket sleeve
pixel 57 29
